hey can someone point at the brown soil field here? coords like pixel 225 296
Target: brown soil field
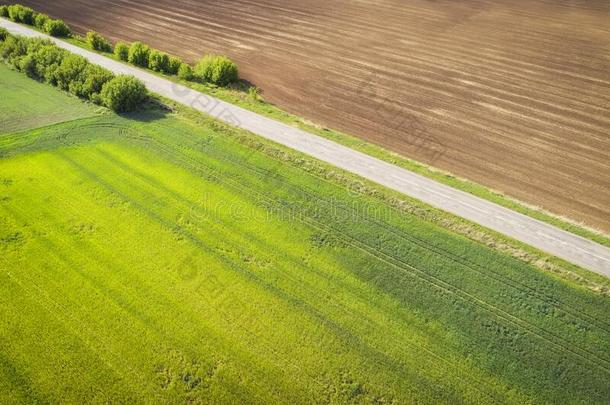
pixel 512 94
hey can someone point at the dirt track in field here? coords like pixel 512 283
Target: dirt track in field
pixel 511 94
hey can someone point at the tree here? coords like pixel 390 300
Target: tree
pixel 70 74
pixel 98 42
pixel 185 72
pixel 216 69
pixel 139 54
pixel 28 65
pixel 21 14
pixel 41 20
pixel 174 65
pixel 123 93
pixel 41 58
pixel 158 61
pixel 35 43
pixel 4 11
pixel 95 79
pixel 57 28
pixel 3 34
pixel 35 62
pixel 121 50
pixel 48 60
pixel 13 49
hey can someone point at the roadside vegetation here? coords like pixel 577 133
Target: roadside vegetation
pixel 202 263
pixel 43 22
pixel 98 42
pixel 42 60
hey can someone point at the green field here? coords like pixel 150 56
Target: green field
pixel 19 114
pixel 160 257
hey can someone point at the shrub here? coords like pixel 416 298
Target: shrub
pixel 21 14
pixel 48 60
pixel 4 11
pixel 139 54
pixel 174 65
pixel 57 28
pixel 12 12
pixel 13 49
pixel 121 50
pixel 41 58
pixel 98 42
pixel 158 61
pixel 3 34
pixel 41 20
pixel 95 78
pixel 185 72
pixel 34 44
pixel 216 69
pixel 123 93
pixel 70 74
pixel 27 64
pixel 254 93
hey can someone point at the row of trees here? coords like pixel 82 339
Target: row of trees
pixel 41 59
pixel 215 69
pixel 43 22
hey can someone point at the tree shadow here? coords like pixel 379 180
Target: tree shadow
pixel 244 86
pixel 150 111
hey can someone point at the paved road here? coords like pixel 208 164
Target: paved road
pixel 545 237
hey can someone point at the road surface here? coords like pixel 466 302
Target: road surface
pixel 543 236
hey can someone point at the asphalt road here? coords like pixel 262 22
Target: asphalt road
pixel 545 237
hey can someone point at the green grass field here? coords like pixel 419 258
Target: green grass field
pixel 159 258
pixel 19 114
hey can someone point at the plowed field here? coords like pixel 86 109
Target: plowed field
pixel 512 94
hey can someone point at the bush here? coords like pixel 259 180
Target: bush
pixel 254 93
pixel 57 28
pixel 35 43
pixel 95 79
pixel 48 60
pixel 121 50
pixel 216 69
pixel 158 61
pixel 3 34
pixel 139 54
pixel 28 65
pixel 98 42
pixel 41 59
pixel 185 72
pixel 174 65
pixel 13 49
pixel 123 93
pixel 4 11
pixel 41 20
pixel 21 14
pixel 70 74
